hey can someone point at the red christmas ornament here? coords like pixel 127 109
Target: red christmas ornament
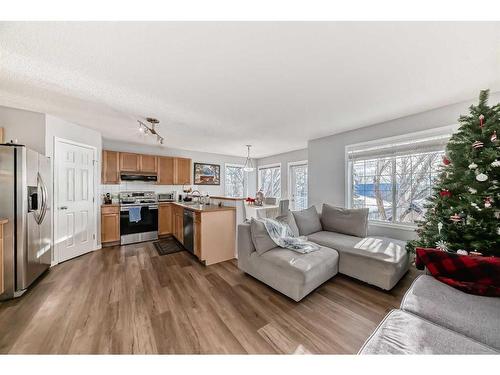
pixel 445 193
pixel 455 218
pixel 446 161
pixel 494 136
pixel 481 119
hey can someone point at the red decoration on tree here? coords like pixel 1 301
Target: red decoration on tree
pixel 487 202
pixel 446 161
pixel 481 119
pixel 494 136
pixel 445 193
pixel 455 218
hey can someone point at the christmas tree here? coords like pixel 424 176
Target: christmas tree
pixel 463 213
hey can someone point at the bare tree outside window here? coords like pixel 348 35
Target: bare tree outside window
pixel 270 181
pixel 234 181
pixel 395 188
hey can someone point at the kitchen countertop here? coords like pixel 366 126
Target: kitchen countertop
pixel 3 221
pixel 204 208
pixel 227 198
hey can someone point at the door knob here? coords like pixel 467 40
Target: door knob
pixel 63 207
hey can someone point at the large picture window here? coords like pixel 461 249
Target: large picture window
pixel 394 179
pixel 269 180
pixel 234 181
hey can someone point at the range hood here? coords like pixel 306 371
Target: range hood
pixel 138 177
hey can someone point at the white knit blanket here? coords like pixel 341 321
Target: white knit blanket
pixel 282 235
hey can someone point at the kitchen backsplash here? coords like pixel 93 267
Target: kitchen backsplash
pixel 144 186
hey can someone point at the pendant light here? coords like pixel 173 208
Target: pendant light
pixel 248 167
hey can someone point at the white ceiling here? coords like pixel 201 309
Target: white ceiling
pixel 217 86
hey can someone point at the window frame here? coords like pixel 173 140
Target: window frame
pixel 443 130
pixel 268 166
pixel 245 179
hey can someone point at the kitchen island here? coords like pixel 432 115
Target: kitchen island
pixel 207 231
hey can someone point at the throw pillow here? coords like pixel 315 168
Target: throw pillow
pixel 307 221
pixel 260 238
pixel 347 221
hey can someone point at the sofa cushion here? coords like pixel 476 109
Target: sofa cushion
pixel 291 273
pixel 477 317
pixel 261 239
pixel 404 333
pixel 347 221
pixel 307 221
pixel 378 261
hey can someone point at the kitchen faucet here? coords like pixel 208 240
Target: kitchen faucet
pixel 197 196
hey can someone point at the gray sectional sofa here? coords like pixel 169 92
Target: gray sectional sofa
pixel 435 318
pixel 345 248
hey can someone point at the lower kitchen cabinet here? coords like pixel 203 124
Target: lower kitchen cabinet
pixel 110 225
pixel 215 235
pixel 178 223
pixel 165 219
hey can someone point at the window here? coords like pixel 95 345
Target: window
pixel 234 181
pixel 297 185
pixel 394 178
pixel 270 180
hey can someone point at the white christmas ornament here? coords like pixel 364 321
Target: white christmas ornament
pixel 496 163
pixel 462 252
pixel 472 166
pixel 481 177
pixel 498 231
pixel 472 191
pixel 475 206
pixel 440 226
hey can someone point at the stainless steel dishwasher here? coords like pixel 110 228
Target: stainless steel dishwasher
pixel 189 230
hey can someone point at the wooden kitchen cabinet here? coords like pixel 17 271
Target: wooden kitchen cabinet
pixel 130 162
pixel 148 163
pixel 110 225
pixel 165 217
pixel 165 170
pixel 110 171
pixel 178 223
pixel 182 171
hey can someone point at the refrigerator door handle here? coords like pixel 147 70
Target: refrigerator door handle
pixel 44 198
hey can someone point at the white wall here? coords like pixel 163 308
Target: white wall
pixel 284 159
pixel 25 126
pixel 56 127
pixel 201 157
pixel 327 155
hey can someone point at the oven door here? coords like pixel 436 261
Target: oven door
pixel 145 229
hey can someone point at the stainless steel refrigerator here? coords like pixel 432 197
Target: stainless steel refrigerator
pixel 25 202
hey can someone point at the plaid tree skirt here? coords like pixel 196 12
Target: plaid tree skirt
pixel 471 274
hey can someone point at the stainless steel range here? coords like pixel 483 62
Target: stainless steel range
pixel 138 216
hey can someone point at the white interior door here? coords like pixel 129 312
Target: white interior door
pixel 298 186
pixel 75 224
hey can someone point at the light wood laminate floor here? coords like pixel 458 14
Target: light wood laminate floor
pixel 127 299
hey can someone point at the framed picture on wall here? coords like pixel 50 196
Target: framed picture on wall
pixel 206 174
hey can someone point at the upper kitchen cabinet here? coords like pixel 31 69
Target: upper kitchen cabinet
pixel 130 162
pixel 182 171
pixel 148 163
pixel 165 170
pixel 110 167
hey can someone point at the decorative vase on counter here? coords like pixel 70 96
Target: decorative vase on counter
pixel 259 198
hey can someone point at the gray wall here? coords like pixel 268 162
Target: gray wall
pixel 202 157
pixel 284 159
pixel 25 126
pixel 327 155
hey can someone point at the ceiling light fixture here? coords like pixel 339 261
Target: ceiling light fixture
pixel 143 128
pixel 248 167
